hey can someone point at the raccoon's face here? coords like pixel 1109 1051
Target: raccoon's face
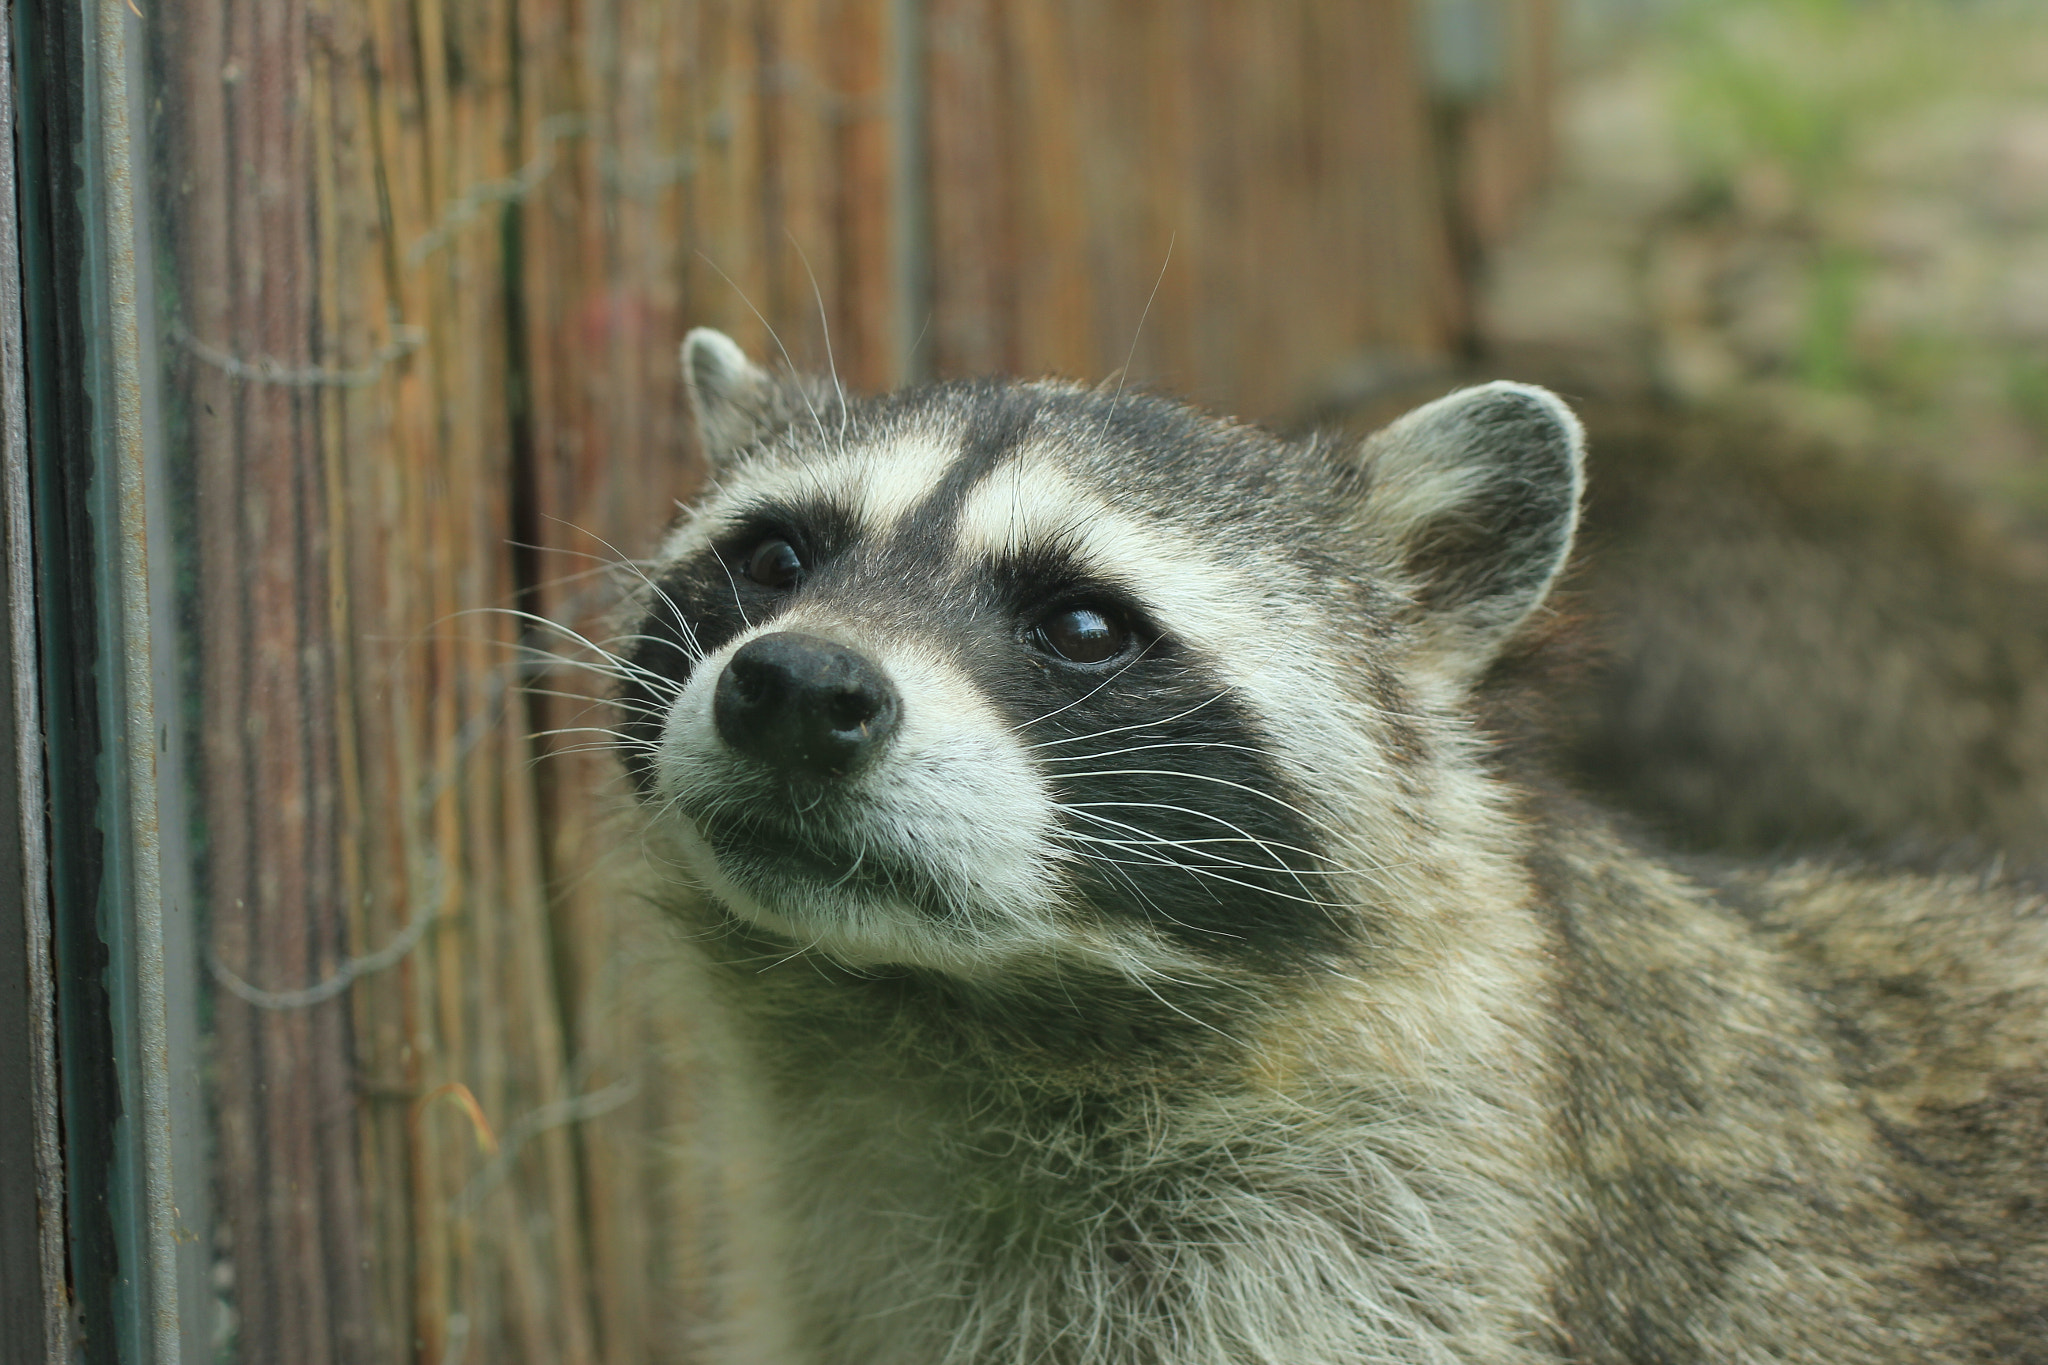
pixel 990 672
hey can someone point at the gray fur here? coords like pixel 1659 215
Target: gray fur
pixel 736 401
pixel 1487 1083
pixel 1796 646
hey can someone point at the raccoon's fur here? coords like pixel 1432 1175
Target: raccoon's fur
pixel 1800 650
pixel 1130 950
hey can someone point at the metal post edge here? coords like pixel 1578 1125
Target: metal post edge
pixel 125 400
pixel 25 697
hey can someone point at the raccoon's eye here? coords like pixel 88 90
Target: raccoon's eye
pixel 1083 635
pixel 775 564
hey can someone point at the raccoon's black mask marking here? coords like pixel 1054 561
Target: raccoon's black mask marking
pixel 1182 820
pixel 698 605
pixel 1164 783
pixel 1170 810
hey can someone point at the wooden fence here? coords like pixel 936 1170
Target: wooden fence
pixel 426 269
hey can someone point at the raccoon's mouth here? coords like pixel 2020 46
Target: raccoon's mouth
pixel 792 873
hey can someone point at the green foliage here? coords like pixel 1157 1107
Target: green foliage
pixel 1827 356
pixel 1795 120
pixel 2026 393
pixel 2026 389
pixel 1915 369
pixel 1795 81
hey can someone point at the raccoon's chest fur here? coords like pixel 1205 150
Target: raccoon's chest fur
pixel 1135 1227
pixel 1147 1196
pixel 1125 949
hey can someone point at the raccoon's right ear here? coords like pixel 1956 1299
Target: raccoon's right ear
pixel 736 401
pixel 1477 495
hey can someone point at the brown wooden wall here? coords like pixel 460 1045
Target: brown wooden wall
pixel 425 268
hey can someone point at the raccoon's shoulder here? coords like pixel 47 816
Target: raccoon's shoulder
pixel 1936 977
pixel 1933 989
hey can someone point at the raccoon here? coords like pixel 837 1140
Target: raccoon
pixel 1128 945
pixel 1802 649
pixel 1776 643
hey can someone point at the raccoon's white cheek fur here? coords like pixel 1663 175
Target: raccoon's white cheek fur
pixel 953 797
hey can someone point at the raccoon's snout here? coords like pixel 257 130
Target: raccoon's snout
pixel 804 705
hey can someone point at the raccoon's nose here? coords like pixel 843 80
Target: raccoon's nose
pixel 803 704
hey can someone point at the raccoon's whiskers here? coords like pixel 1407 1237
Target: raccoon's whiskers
pixel 730 582
pixel 601 562
pixel 619 735
pixel 1199 870
pixel 1142 984
pixel 1117 729
pixel 1146 312
pixel 1204 852
pixel 1146 748
pixel 589 701
pixel 1084 697
pixel 618 559
pixel 607 662
pixel 691 648
pixel 545 623
pixel 688 648
pixel 550 662
pixel 1085 810
pixel 773 336
pixel 1116 868
pixel 596 747
pixel 825 328
pixel 802 950
pixel 542 662
pixel 694 651
pixel 1313 821
pixel 1144 859
pixel 601 568
pixel 860 855
pixel 1200 848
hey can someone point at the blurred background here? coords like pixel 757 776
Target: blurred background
pixel 414 275
pixel 1835 212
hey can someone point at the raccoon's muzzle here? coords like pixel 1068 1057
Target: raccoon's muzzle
pixel 804 706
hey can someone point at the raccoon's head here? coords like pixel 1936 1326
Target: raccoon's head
pixel 989 672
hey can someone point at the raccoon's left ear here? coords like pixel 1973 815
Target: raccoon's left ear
pixel 736 401
pixel 1477 494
